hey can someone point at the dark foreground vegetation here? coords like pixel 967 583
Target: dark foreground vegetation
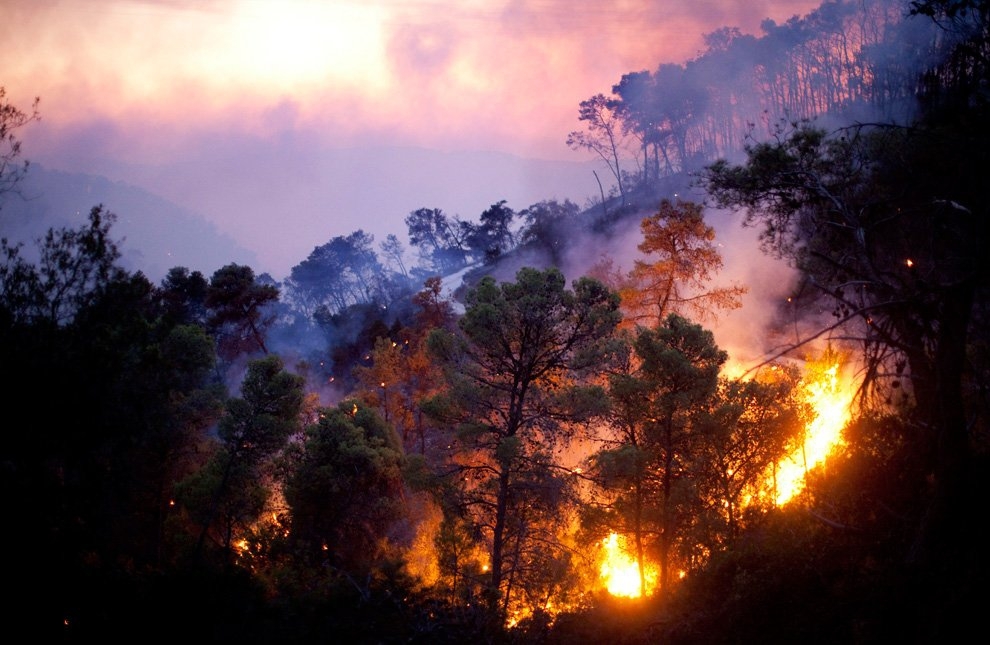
pixel 346 457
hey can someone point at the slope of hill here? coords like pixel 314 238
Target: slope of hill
pixel 153 233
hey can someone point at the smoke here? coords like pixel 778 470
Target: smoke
pixel 746 332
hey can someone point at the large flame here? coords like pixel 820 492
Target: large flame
pixel 619 570
pixel 830 397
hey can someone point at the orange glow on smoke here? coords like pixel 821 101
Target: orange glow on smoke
pixel 830 397
pixel 619 570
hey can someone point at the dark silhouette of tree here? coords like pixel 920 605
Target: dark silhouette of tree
pixel 493 235
pixel 183 296
pixel 343 272
pixel 604 135
pixel 897 244
pixel 440 239
pixel 229 493
pixel 134 400
pixel 74 266
pixel 344 490
pixel 238 306
pixel 511 374
pixel 12 119
pixel 548 227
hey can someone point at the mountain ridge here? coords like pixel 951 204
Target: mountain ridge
pixel 153 233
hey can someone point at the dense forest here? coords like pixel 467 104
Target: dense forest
pixel 556 451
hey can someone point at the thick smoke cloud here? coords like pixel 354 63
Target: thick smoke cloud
pixel 220 105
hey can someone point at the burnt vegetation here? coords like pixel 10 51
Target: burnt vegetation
pixel 391 450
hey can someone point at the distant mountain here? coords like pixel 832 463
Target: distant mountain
pixel 153 234
pixel 282 198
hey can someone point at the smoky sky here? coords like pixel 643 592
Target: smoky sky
pixel 266 116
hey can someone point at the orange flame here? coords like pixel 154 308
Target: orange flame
pixel 619 570
pixel 830 397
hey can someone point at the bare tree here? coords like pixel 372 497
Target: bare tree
pixel 603 136
pixel 11 119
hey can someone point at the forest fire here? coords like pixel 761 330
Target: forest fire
pixel 829 397
pixel 619 570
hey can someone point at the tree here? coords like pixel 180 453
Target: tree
pixel 976 10
pixel 344 488
pixel 897 244
pixel 493 235
pixel 682 259
pixel 229 492
pixel 238 309
pixel 12 119
pixel 675 373
pixel 435 311
pixel 603 136
pixel 74 266
pixel 183 296
pixel 747 427
pixel 134 403
pixel 343 272
pixel 440 239
pixel 394 251
pixel 511 373
pixel 547 226
pixel 661 109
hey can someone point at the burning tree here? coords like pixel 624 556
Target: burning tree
pixel 748 426
pixel 680 260
pixel 402 372
pixel 899 246
pixel 229 492
pixel 513 373
pixel 676 372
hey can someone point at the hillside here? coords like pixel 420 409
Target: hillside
pixel 154 233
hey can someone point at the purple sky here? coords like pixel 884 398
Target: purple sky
pixel 232 108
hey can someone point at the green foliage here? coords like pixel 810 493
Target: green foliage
pixel 646 475
pixel 748 426
pixel 259 423
pixel 231 490
pixel 511 375
pixel 345 487
pixel 238 310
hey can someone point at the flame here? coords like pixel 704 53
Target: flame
pixel 620 571
pixel 830 397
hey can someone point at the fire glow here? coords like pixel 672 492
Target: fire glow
pixel 829 398
pixel 619 570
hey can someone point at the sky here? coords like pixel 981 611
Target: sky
pixel 248 111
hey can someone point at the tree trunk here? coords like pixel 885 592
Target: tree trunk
pixel 666 526
pixel 498 540
pixel 942 525
pixel 638 533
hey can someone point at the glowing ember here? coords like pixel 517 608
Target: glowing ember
pixel 830 400
pixel 620 571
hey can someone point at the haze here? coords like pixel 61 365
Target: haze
pixel 250 112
